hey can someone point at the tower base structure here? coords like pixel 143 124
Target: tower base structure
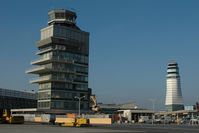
pixel 174 107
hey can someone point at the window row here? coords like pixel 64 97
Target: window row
pixel 65 67
pixel 64 76
pixel 46 55
pixel 60 31
pixel 80 78
pixel 81 87
pixel 60 95
pixel 44 104
pixel 62 86
pixel 44 86
pixel 70 56
pixel 67 95
pixel 65 56
pixel 172 72
pixel 44 95
pixel 68 105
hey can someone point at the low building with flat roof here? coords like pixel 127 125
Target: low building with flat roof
pixel 111 108
pixel 14 99
pixel 133 115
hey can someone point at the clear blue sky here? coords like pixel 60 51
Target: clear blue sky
pixel 131 42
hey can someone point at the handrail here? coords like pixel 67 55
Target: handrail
pixel 51 68
pixel 53 58
pixel 49 78
pixel 44 50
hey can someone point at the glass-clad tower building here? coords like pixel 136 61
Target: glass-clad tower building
pixel 174 100
pixel 63 64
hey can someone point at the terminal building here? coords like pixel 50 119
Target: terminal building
pixel 174 100
pixel 63 64
pixel 13 99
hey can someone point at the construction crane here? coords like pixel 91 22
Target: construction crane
pixel 94 107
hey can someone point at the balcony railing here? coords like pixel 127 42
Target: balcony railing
pixel 49 78
pixel 39 60
pixel 53 59
pixel 44 50
pixel 40 79
pixel 35 69
pixel 50 49
pixel 49 68
pixel 80 73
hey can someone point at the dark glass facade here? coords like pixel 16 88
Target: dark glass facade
pixel 12 99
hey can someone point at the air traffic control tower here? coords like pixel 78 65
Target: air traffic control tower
pixel 174 100
pixel 63 64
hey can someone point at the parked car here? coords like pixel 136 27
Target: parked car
pixel 185 120
pixel 144 119
pixel 163 120
pixel 194 120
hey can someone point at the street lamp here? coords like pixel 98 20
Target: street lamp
pixel 153 102
pixel 79 98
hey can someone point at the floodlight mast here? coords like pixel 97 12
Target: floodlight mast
pixel 79 98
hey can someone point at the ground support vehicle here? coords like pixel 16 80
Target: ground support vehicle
pixel 7 117
pixel 77 122
pixel 48 118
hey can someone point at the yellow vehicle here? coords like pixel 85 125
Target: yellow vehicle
pixel 82 122
pixel 7 117
pixel 70 124
pixel 77 122
pixel 2 119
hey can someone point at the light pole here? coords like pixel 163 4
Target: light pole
pixel 79 98
pixel 153 102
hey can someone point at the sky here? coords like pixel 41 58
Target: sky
pixel 131 43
